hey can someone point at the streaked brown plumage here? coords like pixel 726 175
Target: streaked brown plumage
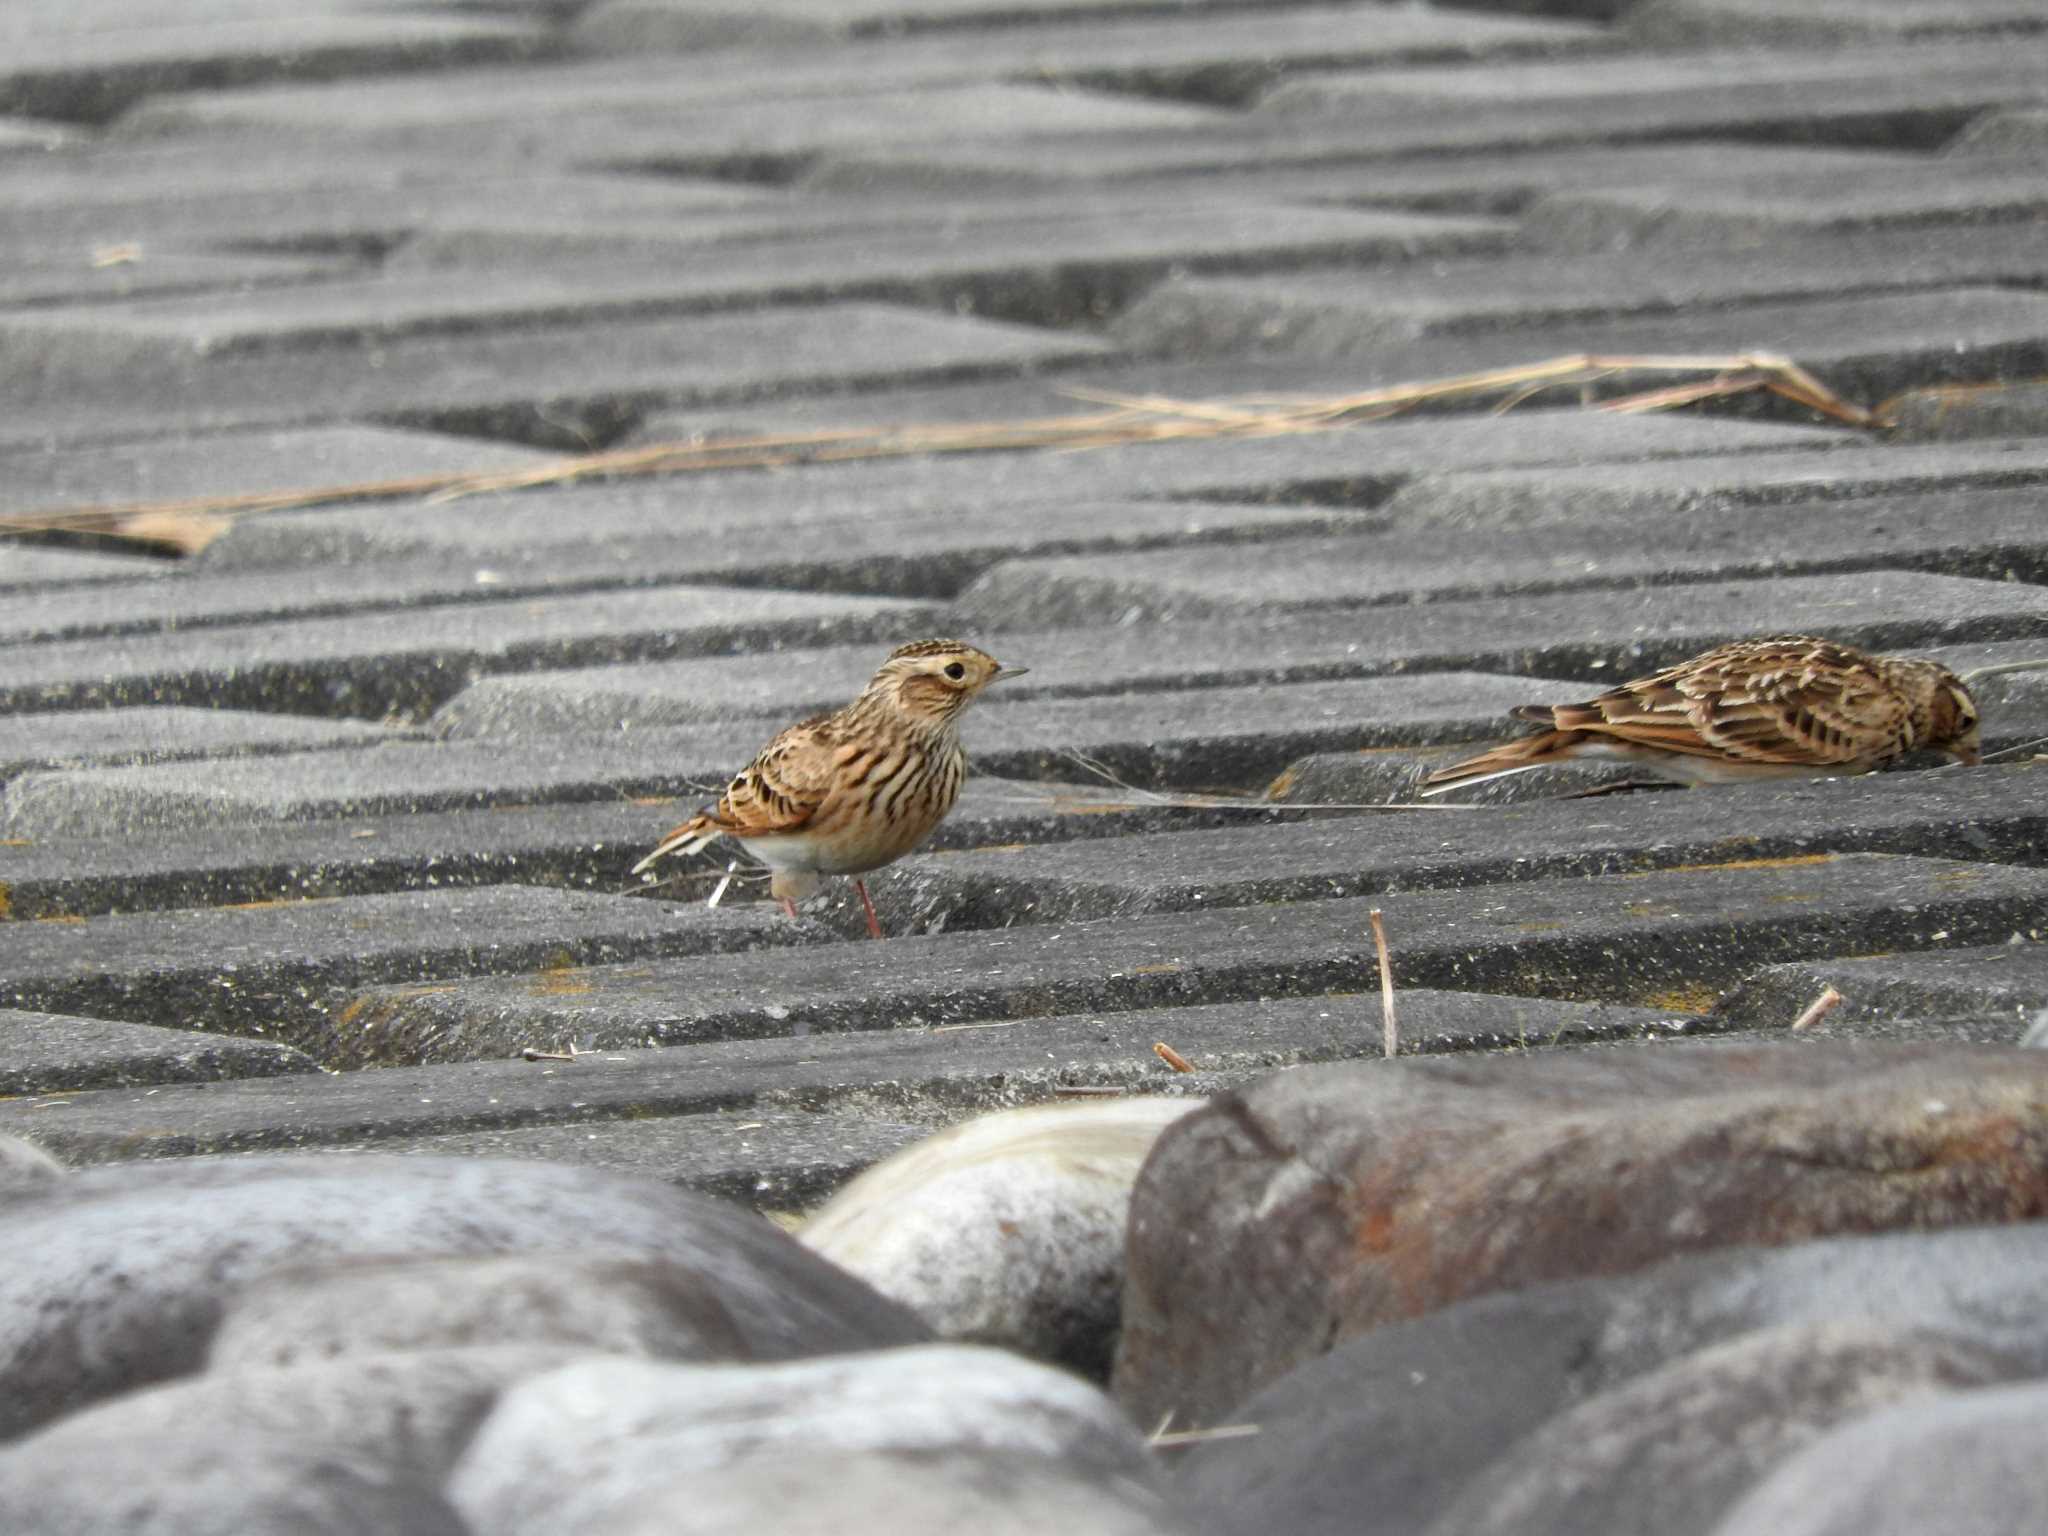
pixel 844 793
pixel 1790 707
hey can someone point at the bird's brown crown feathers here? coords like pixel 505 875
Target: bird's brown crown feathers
pixel 929 681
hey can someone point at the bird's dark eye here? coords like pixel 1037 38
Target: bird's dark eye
pixel 955 671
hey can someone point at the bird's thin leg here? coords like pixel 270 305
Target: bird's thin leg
pixel 874 923
pixel 789 907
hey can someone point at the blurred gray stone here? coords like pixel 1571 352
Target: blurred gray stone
pixel 1967 1464
pixel 25 1168
pixel 1007 1229
pixel 1444 1396
pixel 595 1304
pixel 911 1493
pixel 405 1416
pixel 188 1482
pixel 1670 1450
pixel 122 1275
pixel 569 1448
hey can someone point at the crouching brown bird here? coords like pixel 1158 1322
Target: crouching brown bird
pixel 1791 707
pixel 844 793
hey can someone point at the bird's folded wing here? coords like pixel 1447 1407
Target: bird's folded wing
pixel 1809 716
pixel 781 790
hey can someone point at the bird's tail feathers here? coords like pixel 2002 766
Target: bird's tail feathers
pixel 1499 762
pixel 692 835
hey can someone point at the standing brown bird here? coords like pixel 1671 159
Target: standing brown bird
pixel 1792 707
pixel 844 793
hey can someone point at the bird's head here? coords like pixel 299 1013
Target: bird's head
pixel 1951 713
pixel 936 679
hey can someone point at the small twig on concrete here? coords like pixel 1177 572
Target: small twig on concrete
pixel 2023 746
pixel 1088 1090
pixel 1379 941
pixel 2003 668
pixel 718 890
pixel 1828 1001
pixel 530 1054
pixel 1170 1056
pixel 1197 1436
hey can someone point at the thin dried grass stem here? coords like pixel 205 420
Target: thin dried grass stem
pixel 186 525
pixel 1828 1001
pixel 1390 1028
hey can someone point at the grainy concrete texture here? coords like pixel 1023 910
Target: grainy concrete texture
pixel 442 440
pixel 359 779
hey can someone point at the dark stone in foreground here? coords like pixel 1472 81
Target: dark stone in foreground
pixel 1316 1206
pixel 120 1276
pixel 1443 1396
pixel 1668 937
pixel 280 969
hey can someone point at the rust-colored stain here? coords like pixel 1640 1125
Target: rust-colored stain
pixel 1376 1232
pixel 1790 861
pixel 1281 785
pixel 565 982
pixel 16 842
pixel 1166 968
pixel 62 917
pixel 351 1012
pixel 1693 999
pixel 6 900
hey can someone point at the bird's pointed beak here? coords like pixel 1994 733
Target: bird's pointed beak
pixel 1002 672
